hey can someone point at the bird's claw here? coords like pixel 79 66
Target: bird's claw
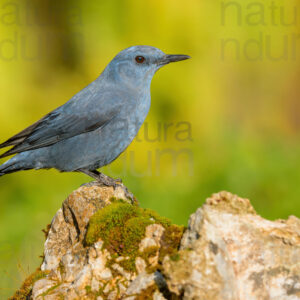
pixel 108 181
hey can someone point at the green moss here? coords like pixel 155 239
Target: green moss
pixel 175 257
pixel 101 291
pixel 110 262
pixel 170 242
pixel 149 252
pixel 47 292
pixel 25 290
pixel 121 227
pixel 88 289
pixel 107 222
pixel 134 232
pixel 134 201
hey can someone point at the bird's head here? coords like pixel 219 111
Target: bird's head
pixel 137 65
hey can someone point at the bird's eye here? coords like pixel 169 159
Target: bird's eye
pixel 140 59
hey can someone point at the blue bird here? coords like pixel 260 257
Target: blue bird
pixel 97 124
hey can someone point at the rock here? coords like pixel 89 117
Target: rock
pixel 102 245
pixel 70 222
pixel 230 252
pixel 143 284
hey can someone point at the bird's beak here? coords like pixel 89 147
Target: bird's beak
pixel 169 58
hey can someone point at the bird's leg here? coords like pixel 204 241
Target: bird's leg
pixel 92 174
pixel 102 178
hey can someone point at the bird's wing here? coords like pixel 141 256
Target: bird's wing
pixel 65 122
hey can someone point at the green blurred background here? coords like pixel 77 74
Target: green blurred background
pixel 238 94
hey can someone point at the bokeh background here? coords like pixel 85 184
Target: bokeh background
pixel 232 112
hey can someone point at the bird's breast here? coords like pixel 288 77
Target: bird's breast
pixel 138 115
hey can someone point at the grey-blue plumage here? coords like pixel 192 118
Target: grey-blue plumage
pixel 96 125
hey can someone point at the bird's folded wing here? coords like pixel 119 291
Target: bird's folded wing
pixel 57 126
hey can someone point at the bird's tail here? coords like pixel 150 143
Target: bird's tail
pixel 11 166
pixel 7 168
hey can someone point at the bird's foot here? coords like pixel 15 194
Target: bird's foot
pixel 105 180
pixel 108 181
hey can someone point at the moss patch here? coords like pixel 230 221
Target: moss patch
pixel 25 290
pixel 170 242
pixel 149 252
pixel 88 289
pixel 121 227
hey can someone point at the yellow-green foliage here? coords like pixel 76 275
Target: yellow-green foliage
pixel 25 290
pixel 121 227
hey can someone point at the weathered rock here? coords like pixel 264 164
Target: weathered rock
pixel 144 283
pixel 85 255
pixel 101 245
pixel 70 222
pixel 230 252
